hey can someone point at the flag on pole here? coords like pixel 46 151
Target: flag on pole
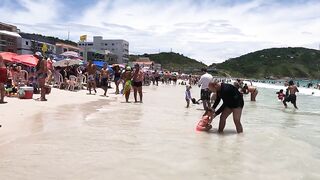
pixel 83 38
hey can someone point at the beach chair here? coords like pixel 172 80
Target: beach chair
pixel 82 80
pixel 58 80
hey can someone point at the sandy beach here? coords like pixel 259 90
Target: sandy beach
pixel 79 136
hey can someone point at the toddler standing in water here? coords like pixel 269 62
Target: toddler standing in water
pixel 188 95
pixel 205 122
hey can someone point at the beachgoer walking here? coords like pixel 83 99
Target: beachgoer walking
pixel 42 73
pixel 137 80
pixel 232 103
pixel 104 77
pixel 126 77
pixel 117 77
pixel 3 79
pixel 156 77
pixel 188 95
pixel 292 90
pixel 91 70
pixel 205 93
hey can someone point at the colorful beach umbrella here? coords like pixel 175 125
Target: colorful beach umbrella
pixel 27 59
pixel 7 56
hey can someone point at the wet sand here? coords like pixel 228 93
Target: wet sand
pixel 110 139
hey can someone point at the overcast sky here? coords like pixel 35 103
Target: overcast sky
pixel 207 30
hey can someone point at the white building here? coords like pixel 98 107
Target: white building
pixel 31 43
pixel 118 47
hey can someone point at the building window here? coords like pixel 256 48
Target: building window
pixel 112 44
pixel 106 44
pixel 90 44
pixel 65 50
pixel 27 43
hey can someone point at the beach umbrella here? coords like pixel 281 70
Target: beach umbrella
pixel 7 56
pixel 99 64
pixel 71 54
pixel 67 62
pixel 27 59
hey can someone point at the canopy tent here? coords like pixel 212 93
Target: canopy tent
pixel 7 56
pixel 27 59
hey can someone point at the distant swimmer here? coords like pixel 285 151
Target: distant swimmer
pixel 250 89
pixel 291 90
pixel 281 95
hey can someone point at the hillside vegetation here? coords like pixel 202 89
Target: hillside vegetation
pixel 275 63
pixel 173 61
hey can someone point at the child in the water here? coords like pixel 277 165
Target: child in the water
pixel 205 122
pixel 188 95
pixel 281 95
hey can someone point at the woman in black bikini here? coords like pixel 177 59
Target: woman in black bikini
pixel 232 103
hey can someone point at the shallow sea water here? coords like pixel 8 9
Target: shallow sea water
pixel 157 140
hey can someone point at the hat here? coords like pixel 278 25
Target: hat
pixel 128 68
pixel 38 55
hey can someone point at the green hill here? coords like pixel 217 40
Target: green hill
pixel 173 61
pixel 276 63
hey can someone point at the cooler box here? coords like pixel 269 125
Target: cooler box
pixel 27 92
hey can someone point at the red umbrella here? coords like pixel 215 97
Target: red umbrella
pixel 7 56
pixel 28 60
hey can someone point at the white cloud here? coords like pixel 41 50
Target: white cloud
pixel 210 31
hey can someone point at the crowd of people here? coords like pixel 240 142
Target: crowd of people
pixel 214 90
pixel 127 78
pixel 44 75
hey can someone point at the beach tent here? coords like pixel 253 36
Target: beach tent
pixel 27 59
pixel 7 56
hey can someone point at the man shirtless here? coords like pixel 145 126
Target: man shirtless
pixel 137 79
pixel 91 70
pixel 292 89
pixel 104 77
pixel 126 77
